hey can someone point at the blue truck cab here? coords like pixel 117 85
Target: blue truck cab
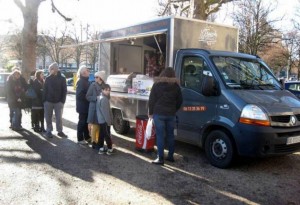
pixel 234 105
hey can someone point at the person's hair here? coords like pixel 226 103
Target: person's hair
pixel 38 74
pixel 53 66
pixel 16 70
pixel 167 72
pixel 81 70
pixel 105 86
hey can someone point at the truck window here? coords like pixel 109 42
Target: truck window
pixel 193 69
pixel 243 73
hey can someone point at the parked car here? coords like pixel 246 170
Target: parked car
pixel 3 79
pixel 293 87
pixel 70 82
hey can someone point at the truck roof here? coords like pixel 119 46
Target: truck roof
pixel 220 53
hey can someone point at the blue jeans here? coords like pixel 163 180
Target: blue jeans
pixel 164 126
pixel 16 117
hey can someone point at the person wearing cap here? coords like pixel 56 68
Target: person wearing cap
pixel 54 98
pixel 93 92
pixel 82 104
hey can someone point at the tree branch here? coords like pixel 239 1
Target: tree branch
pixel 56 9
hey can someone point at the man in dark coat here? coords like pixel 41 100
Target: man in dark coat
pixel 54 98
pixel 82 104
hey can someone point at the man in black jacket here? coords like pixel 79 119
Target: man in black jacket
pixel 54 98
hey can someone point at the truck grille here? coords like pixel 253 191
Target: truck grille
pixel 283 148
pixel 281 119
pixel 285 120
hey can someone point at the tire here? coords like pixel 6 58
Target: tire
pixel 120 125
pixel 219 149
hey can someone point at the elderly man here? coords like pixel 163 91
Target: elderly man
pixel 82 104
pixel 54 98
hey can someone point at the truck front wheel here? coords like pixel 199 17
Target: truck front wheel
pixel 219 149
pixel 120 125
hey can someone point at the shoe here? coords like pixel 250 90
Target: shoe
pixel 89 140
pixel 37 129
pixel 61 134
pixel 17 128
pixel 101 150
pixel 158 161
pixel 49 134
pixel 170 159
pixel 110 151
pixel 42 130
pixel 82 142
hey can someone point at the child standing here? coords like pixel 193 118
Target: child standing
pixel 104 117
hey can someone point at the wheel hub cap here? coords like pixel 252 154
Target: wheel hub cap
pixel 219 148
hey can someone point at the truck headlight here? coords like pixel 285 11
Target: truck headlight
pixel 254 115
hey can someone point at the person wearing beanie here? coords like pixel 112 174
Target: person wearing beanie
pixel 93 92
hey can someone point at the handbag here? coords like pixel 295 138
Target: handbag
pixel 30 93
pixel 149 126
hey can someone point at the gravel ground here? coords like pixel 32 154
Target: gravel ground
pixel 37 170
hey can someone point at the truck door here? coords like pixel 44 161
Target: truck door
pixel 197 109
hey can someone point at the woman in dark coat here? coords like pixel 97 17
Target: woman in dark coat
pixel 164 101
pixel 16 88
pixel 82 104
pixel 37 108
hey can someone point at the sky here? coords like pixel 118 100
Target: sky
pixel 99 14
pixel 107 14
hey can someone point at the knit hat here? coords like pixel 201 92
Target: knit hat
pixel 100 74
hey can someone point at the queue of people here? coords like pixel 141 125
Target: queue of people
pixel 93 107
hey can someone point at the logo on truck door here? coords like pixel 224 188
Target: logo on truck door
pixel 199 108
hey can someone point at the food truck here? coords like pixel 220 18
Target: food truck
pixel 232 103
pixel 132 56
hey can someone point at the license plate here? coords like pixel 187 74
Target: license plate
pixel 293 140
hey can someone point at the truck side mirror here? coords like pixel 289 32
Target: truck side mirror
pixel 209 86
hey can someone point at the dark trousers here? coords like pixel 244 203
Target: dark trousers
pixel 37 118
pixel 82 127
pixel 105 135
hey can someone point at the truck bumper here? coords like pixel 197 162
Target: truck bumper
pixel 261 141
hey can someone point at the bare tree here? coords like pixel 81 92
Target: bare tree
pixel 29 9
pixel 93 50
pixel 14 45
pixel 292 42
pixel 76 38
pixel 256 31
pixel 42 50
pixel 197 9
pixel 54 41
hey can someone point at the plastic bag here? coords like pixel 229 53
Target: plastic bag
pixel 149 126
pixel 30 93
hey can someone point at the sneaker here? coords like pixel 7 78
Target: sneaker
pixel 82 142
pixel 89 140
pixel 110 151
pixel 158 161
pixel 49 134
pixel 101 150
pixel 61 134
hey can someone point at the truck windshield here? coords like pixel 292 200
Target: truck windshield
pixel 241 73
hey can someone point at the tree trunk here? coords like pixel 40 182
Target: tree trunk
pixel 29 35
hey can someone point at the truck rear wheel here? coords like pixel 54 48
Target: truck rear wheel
pixel 120 125
pixel 219 149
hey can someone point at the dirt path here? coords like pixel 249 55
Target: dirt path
pixel 36 170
